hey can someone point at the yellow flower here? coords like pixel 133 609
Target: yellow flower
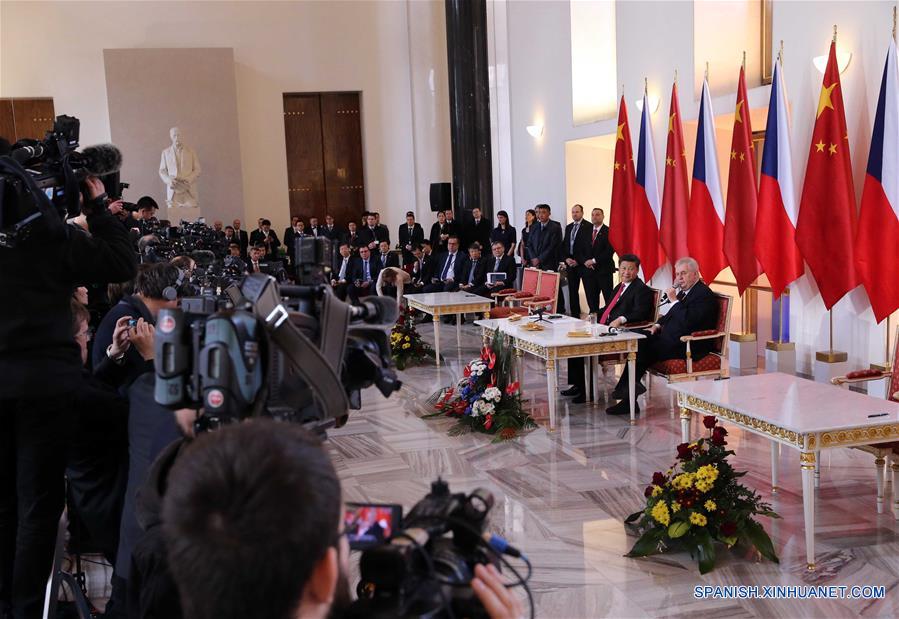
pixel 710 505
pixel 660 513
pixel 683 481
pixel 704 485
pixel 656 491
pixel 698 519
pixel 407 338
pixel 406 346
pixel 675 507
pixel 707 472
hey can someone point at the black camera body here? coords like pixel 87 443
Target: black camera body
pixel 421 571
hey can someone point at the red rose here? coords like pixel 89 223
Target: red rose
pixel 709 421
pixel 684 452
pixel 658 479
pixel 466 372
pixel 718 435
pixel 648 492
pixel 728 529
pixel 512 388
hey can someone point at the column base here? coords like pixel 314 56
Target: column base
pixel 780 357
pixel 830 364
pixel 743 351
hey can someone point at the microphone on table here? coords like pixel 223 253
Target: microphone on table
pixel 665 299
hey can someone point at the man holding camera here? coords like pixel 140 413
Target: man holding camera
pixel 41 368
pixel 301 569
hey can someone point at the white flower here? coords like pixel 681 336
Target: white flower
pixel 493 394
pixel 487 407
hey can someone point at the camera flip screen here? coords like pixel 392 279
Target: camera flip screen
pixel 371 524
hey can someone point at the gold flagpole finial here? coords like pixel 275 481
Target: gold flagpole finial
pixel 834 33
pixel 706 70
pixel 645 86
pixel 744 59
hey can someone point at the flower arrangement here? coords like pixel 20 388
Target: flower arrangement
pixel 698 502
pixel 485 400
pixel 406 346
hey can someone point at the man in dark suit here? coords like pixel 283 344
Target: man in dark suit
pixel 371 235
pixel 290 235
pixel 314 228
pixel 499 262
pixel 386 258
pixel 243 238
pixel 293 226
pixel 632 303
pixel 352 237
pixel 424 265
pixel 694 307
pixel 448 274
pixel 342 271
pixel 575 251
pixel 474 273
pixel 381 231
pixel 266 237
pixel 477 229
pixel 544 241
pixel 596 271
pixel 409 236
pixel 331 230
pixel 365 274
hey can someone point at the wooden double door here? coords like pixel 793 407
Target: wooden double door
pixel 323 134
pixel 25 118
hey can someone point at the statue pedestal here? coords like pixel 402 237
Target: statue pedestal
pixel 188 213
pixel 830 364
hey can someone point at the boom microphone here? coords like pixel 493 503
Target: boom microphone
pixel 26 150
pixel 102 159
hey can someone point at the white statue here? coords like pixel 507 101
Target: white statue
pixel 179 169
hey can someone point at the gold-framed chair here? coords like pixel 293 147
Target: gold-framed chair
pixel 547 293
pixel 711 365
pixel 530 279
pixel 885 454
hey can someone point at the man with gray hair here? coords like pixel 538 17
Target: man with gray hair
pixel 694 307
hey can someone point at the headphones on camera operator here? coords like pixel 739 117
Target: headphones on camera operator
pixel 170 293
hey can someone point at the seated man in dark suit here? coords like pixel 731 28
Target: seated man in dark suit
pixel 342 271
pixel 331 230
pixel 474 273
pixel 387 258
pixel 365 274
pixel 424 265
pixel 500 262
pixel 694 307
pixel 632 302
pixel 448 274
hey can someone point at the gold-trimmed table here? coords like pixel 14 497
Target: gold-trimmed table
pixel 554 344
pixel 439 304
pixel 799 413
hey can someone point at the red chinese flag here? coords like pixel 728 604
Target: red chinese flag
pixel 621 216
pixel 827 216
pixel 676 193
pixel 742 197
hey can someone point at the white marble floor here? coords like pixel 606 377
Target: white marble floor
pixel 561 497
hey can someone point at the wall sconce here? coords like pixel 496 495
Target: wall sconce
pixel 535 130
pixel 843 59
pixel 653 103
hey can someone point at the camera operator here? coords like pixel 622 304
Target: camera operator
pixel 146 212
pixel 150 288
pixel 252 520
pixel 117 208
pixel 41 368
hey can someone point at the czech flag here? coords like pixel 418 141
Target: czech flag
pixel 775 228
pixel 647 206
pixel 877 242
pixel 705 236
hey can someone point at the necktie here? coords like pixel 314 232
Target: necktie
pixel 474 266
pixel 342 274
pixel 255 267
pixel 496 266
pixel 681 295
pixel 383 260
pixel 605 315
pixel 595 232
pixel 449 263
pixel 366 272
pixel 574 229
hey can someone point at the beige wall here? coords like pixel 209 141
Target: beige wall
pixel 153 90
pixel 56 49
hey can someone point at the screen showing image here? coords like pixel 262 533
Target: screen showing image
pixel 370 524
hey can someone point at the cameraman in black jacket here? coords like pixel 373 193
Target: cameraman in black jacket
pixel 40 366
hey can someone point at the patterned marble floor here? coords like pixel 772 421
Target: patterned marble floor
pixel 561 497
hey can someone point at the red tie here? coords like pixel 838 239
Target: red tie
pixel 605 314
pixel 595 232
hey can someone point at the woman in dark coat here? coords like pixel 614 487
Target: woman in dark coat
pixel 530 217
pixel 504 233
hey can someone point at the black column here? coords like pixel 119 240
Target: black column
pixel 469 88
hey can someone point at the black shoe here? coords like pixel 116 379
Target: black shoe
pixel 571 391
pixel 580 399
pixel 622 394
pixel 623 408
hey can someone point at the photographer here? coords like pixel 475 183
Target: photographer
pixel 252 523
pixel 151 286
pixel 41 368
pixel 146 211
